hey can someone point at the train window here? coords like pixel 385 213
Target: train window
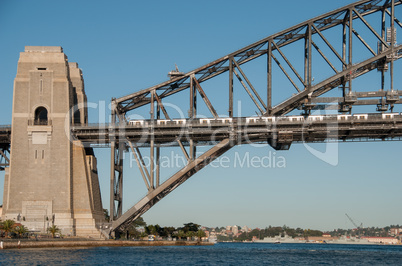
pixel 252 120
pixel 204 121
pixel 180 122
pixel 269 119
pixel 226 121
pixel 137 123
pixel 294 119
pixel 388 116
pixel 343 117
pixel 162 122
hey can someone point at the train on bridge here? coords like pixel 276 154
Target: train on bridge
pixel 265 120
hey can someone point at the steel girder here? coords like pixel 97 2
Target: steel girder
pixel 117 147
pixel 5 141
pixel 4 157
pixel 5 135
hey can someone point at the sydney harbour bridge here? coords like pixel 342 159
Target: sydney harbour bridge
pixel 368 27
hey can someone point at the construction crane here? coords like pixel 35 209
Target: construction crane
pixel 353 222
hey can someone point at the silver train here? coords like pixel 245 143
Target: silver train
pixel 266 120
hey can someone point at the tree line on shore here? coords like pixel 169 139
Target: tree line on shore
pixel 191 230
pixel 188 230
pixel 273 231
pixel 276 231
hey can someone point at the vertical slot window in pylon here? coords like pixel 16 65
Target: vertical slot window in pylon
pixel 41 87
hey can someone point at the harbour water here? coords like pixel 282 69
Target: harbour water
pixel 219 254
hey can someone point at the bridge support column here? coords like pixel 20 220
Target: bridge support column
pixel 231 87
pixel 117 147
pixel 192 115
pixel 269 78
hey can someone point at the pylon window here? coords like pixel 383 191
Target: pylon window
pixel 41 116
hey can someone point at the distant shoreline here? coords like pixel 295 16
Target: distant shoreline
pixel 97 243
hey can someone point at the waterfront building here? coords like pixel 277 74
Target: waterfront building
pixel 395 231
pixel 235 230
pixel 245 229
pixel 381 239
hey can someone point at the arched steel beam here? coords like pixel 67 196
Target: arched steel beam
pixel 253 51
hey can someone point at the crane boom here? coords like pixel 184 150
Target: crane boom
pixel 353 222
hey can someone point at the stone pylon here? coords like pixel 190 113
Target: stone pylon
pixel 51 180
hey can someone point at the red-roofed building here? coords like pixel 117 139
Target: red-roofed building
pixel 381 239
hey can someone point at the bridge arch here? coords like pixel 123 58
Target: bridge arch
pixel 282 115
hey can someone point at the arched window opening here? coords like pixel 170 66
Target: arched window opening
pixel 40 116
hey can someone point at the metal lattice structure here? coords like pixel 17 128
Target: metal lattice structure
pixel 281 130
pixel 5 140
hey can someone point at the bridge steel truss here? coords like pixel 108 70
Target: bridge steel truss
pixel 307 97
pixel 5 140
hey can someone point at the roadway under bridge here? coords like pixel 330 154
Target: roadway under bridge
pixel 372 26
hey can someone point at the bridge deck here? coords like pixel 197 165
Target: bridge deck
pixel 254 129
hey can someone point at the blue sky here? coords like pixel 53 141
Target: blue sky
pixel 126 46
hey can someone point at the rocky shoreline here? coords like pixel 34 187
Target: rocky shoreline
pixel 96 243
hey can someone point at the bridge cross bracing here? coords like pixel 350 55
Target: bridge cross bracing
pixel 370 25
